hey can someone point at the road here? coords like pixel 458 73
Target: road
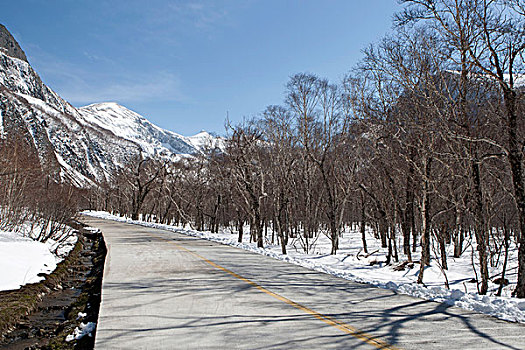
pixel 163 290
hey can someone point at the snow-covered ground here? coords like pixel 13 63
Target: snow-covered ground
pixel 352 264
pixel 22 259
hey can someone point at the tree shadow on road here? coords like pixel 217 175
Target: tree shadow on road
pixel 194 301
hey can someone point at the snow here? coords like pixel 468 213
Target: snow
pixel 19 77
pixel 92 230
pixel 82 330
pixel 22 259
pixel 204 140
pixel 152 139
pixel 131 126
pixel 519 79
pixel 14 74
pixel 2 133
pixel 67 172
pixel 350 263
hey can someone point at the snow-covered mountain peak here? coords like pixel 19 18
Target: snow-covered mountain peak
pixel 205 141
pixel 112 116
pixel 152 139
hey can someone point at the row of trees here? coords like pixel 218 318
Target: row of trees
pixel 423 140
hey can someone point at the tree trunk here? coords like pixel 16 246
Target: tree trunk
pixel 363 223
pixel 383 231
pixel 425 223
pixel 481 229
pixel 516 165
pixel 389 254
pixel 332 211
pixel 505 259
pixel 458 237
pixel 408 220
pixel 443 249
pixel 241 230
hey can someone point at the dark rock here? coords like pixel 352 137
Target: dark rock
pixel 500 280
pixel 9 45
pixel 403 265
pixel 375 262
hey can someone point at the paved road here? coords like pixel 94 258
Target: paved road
pixel 169 291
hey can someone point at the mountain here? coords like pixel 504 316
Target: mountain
pixel 82 146
pixel 131 126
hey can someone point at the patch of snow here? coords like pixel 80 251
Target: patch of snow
pixel 519 79
pixel 68 173
pixel 81 331
pixel 2 132
pixel 24 260
pixel 91 229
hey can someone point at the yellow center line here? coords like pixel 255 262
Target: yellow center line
pixel 355 332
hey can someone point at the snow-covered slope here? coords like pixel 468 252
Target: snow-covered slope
pixel 153 140
pixel 206 141
pixel 81 146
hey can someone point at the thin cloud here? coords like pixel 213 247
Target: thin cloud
pixel 98 58
pixel 79 85
pixel 199 14
pixel 162 87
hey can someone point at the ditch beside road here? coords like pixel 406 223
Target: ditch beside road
pixel 42 315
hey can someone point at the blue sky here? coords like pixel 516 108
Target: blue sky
pixel 185 64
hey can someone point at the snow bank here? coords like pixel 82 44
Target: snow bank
pixel 23 260
pixel 358 269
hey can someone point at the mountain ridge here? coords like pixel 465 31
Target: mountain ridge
pixel 9 44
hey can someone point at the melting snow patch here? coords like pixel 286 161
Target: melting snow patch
pixel 91 229
pixel 82 330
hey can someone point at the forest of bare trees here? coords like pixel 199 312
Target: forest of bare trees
pixel 32 201
pixel 423 141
